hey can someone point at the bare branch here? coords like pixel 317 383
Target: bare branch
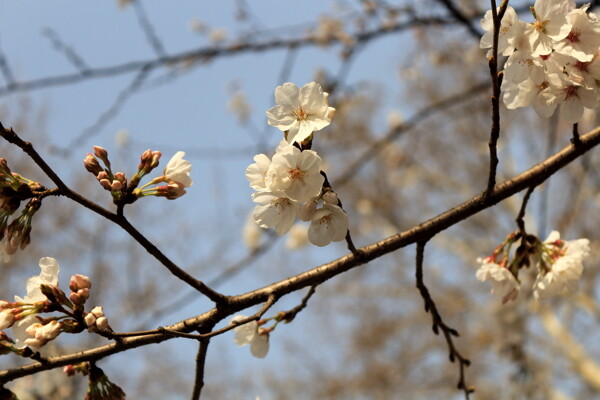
pixel 148 29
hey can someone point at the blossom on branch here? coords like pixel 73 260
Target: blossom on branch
pixel 251 334
pixel 504 283
pixel 560 265
pixel 178 170
pixel 300 111
pixel 329 224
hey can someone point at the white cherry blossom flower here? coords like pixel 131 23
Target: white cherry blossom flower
pixel 300 111
pixel 572 96
pixel 583 40
pixel 298 237
pixel 251 234
pixel 329 224
pixel 178 169
pixel 274 211
pixel 550 25
pixel 39 335
pixel 566 266
pixel 48 276
pixel 250 333
pixel 255 173
pixel 509 27
pixel 295 173
pixel 528 93
pixel 504 283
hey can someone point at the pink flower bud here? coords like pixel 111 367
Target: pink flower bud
pixel 69 370
pixel 7 318
pixel 120 176
pixel 171 191
pixel 102 154
pixel 91 164
pixel 116 186
pixel 105 184
pixel 79 282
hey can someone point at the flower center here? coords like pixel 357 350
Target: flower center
pixel 573 36
pixel 540 26
pixel 300 114
pixel 296 174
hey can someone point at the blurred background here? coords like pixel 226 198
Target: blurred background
pixel 409 141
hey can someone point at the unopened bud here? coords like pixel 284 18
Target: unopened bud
pixel 91 164
pixel 156 155
pixel 102 154
pixel 79 282
pixel 116 186
pixel 171 191
pixel 105 184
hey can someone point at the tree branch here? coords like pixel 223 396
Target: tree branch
pixel 420 233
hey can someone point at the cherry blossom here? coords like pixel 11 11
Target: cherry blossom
pixel 560 265
pixel 509 28
pixel 274 211
pixel 550 25
pixel 178 169
pixel 300 112
pixel 295 173
pixel 255 173
pixel 329 224
pixel 504 283
pixel 251 334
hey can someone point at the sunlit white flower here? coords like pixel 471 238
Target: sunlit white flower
pixel 565 260
pixel 250 334
pixel 583 40
pixel 504 283
pixel 550 25
pixel 295 173
pixel 329 224
pixel 572 97
pixel 300 111
pixel 508 30
pixel 255 173
pixel 274 211
pixel 178 169
pixel 528 93
pixel 7 317
pixel 48 276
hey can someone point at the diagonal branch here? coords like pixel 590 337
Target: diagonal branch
pixel 420 233
pixel 10 136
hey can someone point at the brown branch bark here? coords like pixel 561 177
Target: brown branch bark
pixel 420 233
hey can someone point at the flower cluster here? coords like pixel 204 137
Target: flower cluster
pixel 552 60
pixel 291 184
pixel 44 296
pixel 559 265
pixel 176 176
pixel 15 188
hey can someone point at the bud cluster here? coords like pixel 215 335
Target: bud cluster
pixel 14 188
pixel 559 265
pixel 175 175
pixel 44 296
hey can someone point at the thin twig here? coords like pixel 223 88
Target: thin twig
pixel 411 123
pixel 575 140
pixel 496 82
pixel 70 54
pixel 208 53
pixel 439 324
pixel 462 18
pixel 200 363
pixel 521 215
pixel 6 71
pixel 111 112
pixel 148 29
pixel 288 316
